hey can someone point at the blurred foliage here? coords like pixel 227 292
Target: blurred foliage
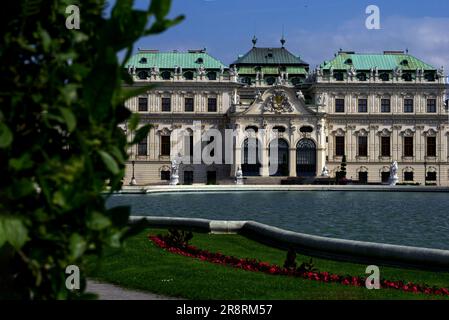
pixel 61 101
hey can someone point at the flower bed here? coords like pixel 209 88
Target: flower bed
pixel 258 266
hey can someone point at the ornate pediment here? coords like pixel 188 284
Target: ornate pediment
pixel 278 102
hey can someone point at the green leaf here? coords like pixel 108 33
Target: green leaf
pixel 5 135
pixel 119 215
pixel 160 8
pixel 141 133
pixel 133 121
pixel 77 246
pixel 128 93
pixel 109 161
pixel 13 231
pixel 98 221
pixel 21 163
pixel 69 118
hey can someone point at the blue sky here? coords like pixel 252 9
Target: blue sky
pixel 314 29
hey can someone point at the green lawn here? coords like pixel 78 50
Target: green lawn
pixel 142 265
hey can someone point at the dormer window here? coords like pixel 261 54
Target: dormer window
pixel 384 77
pixel 199 60
pixel 404 62
pixel 270 81
pixel 188 75
pixel 407 77
pixel 143 60
pixel 361 76
pixel 165 75
pixel 142 75
pixel 338 76
pixel 348 61
pixel 212 75
pixel 270 55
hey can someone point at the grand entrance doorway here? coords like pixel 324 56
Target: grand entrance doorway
pixel 251 156
pixel 306 158
pixel 282 158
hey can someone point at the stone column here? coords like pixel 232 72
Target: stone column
pixel 321 147
pixel 292 162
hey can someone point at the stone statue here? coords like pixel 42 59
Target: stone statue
pixel 440 72
pixel 174 175
pixel 239 176
pixel 325 172
pixel 397 72
pixel 233 71
pixel 236 98
pixel 393 174
pixel 155 71
pixel 201 71
pixel 352 72
pixel 300 95
pixel 258 96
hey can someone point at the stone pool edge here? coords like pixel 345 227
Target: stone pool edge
pixel 233 188
pixel 324 247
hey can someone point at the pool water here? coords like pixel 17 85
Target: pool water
pixel 406 218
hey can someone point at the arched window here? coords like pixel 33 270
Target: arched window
pixel 279 128
pixel 188 75
pixel 384 77
pixel 407 77
pixel 306 129
pixel 165 75
pixel 270 80
pixel 212 75
pixel 361 76
pixel 338 76
pixel 251 155
pixel 142 75
pixel 305 158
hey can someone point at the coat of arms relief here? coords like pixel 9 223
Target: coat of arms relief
pixel 278 102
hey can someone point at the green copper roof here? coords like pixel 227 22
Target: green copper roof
pixel 170 60
pixel 386 61
pixel 269 56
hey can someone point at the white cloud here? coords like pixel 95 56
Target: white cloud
pixel 426 38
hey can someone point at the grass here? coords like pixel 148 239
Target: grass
pixel 141 265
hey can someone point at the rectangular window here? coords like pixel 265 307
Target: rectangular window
pixel 363 146
pixel 188 177
pixel 385 105
pixel 339 105
pixel 165 175
pixel 166 104
pixel 385 176
pixel 385 147
pixel 188 104
pixel 142 147
pixel 363 105
pixel 431 176
pixel 143 104
pixel 363 177
pixel 431 146
pixel 408 176
pixel 431 105
pixel 408 105
pixel 408 146
pixel 165 145
pixel 339 146
pixel 212 105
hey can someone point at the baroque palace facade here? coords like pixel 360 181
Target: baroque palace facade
pixel 372 108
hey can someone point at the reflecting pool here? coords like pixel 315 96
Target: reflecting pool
pixel 406 218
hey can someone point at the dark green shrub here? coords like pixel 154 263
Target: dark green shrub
pixel 178 238
pixel 290 260
pixel 61 101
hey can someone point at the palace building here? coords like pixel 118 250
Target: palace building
pixel 372 109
